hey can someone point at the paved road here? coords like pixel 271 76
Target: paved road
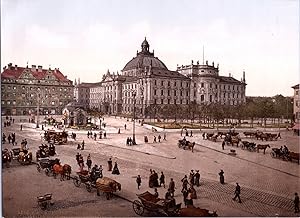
pixel 267 184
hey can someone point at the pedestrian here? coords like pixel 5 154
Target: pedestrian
pixel 3 138
pixel 89 162
pixel 125 126
pixel 116 169
pixel 77 158
pixel 221 174
pixel 81 163
pixel 42 127
pixel 100 135
pixel 156 193
pixel 119 131
pixel 197 178
pixel 9 138
pixel 185 194
pixel 130 141
pixel 186 133
pixel 171 187
pixel 95 136
pixel 191 177
pixel 109 162
pixel 223 144
pixel 78 147
pixel 162 180
pixel 154 139
pixel 184 183
pixel 14 122
pixel 21 127
pixel 159 137
pixel 296 203
pixel 88 134
pixel 138 181
pixel 104 134
pixel 82 145
pixel 191 135
pixel 237 192
pixel 165 136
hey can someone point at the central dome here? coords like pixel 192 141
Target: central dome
pixel 145 59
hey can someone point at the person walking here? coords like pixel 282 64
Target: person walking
pixel 223 144
pixel 95 136
pixel 165 136
pixel 159 138
pixel 191 135
pixel 162 180
pixel 125 126
pixel 237 193
pixel 109 162
pixel 191 177
pixel 221 174
pixel 296 203
pixel 82 145
pixel 9 138
pixel 116 169
pixel 138 181
pixel 77 158
pixel 89 162
pixel 197 178
pixel 154 139
pixel 21 127
pixel 172 187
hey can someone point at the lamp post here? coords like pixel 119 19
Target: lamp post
pixel 38 111
pixel 133 134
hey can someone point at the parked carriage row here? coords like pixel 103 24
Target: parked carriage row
pixel 23 156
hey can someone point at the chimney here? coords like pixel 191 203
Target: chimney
pixel 40 68
pixel 9 66
pixel 33 67
pixel 16 67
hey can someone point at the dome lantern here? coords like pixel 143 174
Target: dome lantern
pixel 145 46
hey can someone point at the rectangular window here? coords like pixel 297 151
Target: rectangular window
pixel 181 84
pixel 202 85
pixel 155 92
pixel 162 101
pixel 210 85
pixel 154 101
pixel 168 101
pixel 168 92
pixel 175 84
pixel 162 92
pixel 174 92
pixel 168 83
pixel 154 82
pixel 162 83
pixel 180 93
pixel 187 93
pixel 194 93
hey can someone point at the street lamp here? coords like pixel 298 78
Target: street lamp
pixel 38 111
pixel 133 134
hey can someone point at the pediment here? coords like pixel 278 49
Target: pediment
pixel 27 75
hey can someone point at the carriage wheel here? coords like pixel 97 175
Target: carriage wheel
pixel 76 181
pixel 38 168
pixel 138 207
pixel 88 187
pixel 272 154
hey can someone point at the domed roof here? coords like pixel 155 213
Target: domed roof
pixel 145 59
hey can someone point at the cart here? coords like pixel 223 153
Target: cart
pixel 161 207
pixel 107 186
pixel 44 201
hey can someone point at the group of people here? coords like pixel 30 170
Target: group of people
pixel 81 147
pixel 11 138
pixel 284 150
pixel 159 138
pixel 8 121
pixel 129 141
pixel 186 132
pixel 91 135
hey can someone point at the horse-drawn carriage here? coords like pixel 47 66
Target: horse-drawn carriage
pixel 229 139
pixel 151 203
pixel 186 144
pixel 46 165
pixel 86 178
pixel 23 156
pixel 54 137
pixel 44 201
pixel 250 146
pixel 45 151
pixel 108 186
pixel 6 157
pixel 278 153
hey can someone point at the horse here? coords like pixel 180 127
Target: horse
pixel 58 169
pixel 221 134
pixel 263 147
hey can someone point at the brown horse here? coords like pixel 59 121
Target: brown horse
pixel 263 147
pixel 58 170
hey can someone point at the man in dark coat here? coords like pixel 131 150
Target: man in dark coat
pixel 237 193
pixel 171 187
pixel 221 174
pixel 197 178
pixel 162 180
pixel 109 162
pixel 139 181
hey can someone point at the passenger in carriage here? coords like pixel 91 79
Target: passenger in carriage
pixel 286 150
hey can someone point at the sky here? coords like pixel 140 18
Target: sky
pixel 86 38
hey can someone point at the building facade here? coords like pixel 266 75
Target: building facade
pixel 82 94
pixel 24 90
pixel 146 82
pixel 296 103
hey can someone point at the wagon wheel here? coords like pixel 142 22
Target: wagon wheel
pixel 76 181
pixel 38 168
pixel 47 172
pixel 88 187
pixel 272 154
pixel 138 207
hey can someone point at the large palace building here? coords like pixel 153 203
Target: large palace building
pixel 146 81
pixel 24 90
